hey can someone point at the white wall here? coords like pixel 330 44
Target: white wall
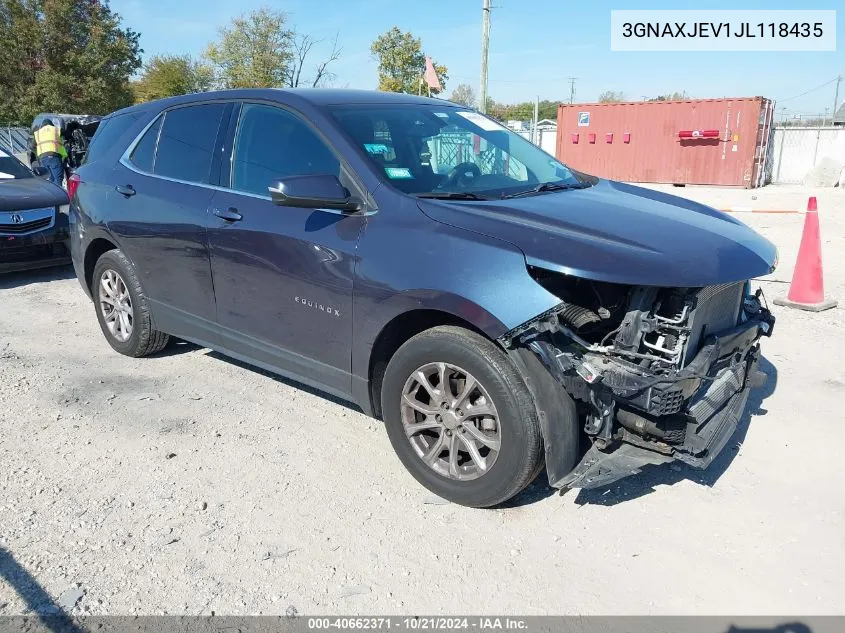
pixel 796 151
pixel 548 141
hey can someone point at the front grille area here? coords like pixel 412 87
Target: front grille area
pixel 25 254
pixel 716 309
pixel 665 402
pixel 25 227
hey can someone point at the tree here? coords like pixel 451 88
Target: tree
pixel 673 96
pixel 401 62
pixel 464 95
pixel 302 45
pixel 171 75
pixel 609 96
pixel 64 56
pixel 254 51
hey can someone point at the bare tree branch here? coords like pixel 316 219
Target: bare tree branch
pixel 302 45
pixel 322 72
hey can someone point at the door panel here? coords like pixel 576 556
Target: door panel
pixel 283 276
pixel 162 229
pixel 160 206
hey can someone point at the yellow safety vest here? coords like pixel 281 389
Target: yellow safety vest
pixel 47 139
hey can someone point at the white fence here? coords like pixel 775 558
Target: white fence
pixel 797 152
pixel 14 139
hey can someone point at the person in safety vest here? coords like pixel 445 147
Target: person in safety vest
pixel 50 149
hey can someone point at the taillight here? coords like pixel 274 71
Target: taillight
pixel 73 184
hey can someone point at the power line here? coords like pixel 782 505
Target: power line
pixel 827 83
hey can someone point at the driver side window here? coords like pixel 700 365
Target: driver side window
pixel 272 143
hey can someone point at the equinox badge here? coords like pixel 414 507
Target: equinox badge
pixel 317 306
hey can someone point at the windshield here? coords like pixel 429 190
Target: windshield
pixel 11 168
pixel 427 149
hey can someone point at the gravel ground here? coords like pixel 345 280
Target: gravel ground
pixel 187 483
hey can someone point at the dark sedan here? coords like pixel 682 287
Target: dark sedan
pixel 33 227
pixel 492 306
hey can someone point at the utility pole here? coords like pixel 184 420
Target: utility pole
pixel 485 48
pixel 572 88
pixel 535 133
pixel 836 95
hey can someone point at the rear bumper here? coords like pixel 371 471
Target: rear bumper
pixel 43 249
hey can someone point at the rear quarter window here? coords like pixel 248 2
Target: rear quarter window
pixel 186 142
pixel 143 154
pixel 108 134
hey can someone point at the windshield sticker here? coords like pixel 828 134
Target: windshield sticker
pixel 376 148
pixel 442 115
pixel 482 121
pixel 398 172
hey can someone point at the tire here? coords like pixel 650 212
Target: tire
pixel 519 458
pixel 142 340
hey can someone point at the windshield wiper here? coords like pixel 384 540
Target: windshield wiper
pixel 548 186
pixel 451 195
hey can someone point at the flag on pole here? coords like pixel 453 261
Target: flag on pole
pixel 431 76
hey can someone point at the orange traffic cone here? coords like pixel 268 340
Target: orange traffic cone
pixel 806 292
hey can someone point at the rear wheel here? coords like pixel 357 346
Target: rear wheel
pixel 461 418
pixel 122 309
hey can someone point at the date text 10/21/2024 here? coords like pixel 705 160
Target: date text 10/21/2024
pixel 418 623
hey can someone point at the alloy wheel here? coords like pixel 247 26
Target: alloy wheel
pixel 451 421
pixel 116 305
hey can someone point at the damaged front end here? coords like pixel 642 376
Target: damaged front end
pixel 657 374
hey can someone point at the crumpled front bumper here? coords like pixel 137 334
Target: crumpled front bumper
pixel 711 416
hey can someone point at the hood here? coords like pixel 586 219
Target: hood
pixel 619 233
pixel 22 194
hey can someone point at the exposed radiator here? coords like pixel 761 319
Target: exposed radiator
pixel 717 308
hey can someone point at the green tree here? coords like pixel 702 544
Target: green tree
pixel 171 75
pixel 65 56
pixel 401 62
pixel 672 96
pixel 609 96
pixel 255 51
pixel 464 95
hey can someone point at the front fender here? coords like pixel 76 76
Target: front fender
pixel 433 266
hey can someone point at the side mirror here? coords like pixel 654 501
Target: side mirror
pixel 323 191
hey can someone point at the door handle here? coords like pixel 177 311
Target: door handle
pixel 125 190
pixel 230 214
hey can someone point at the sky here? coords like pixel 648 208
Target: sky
pixel 535 46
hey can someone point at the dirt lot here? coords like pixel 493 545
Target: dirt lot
pixel 187 483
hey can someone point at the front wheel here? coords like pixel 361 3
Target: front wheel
pixel 461 418
pixel 122 309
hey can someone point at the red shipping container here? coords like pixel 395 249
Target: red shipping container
pixel 671 142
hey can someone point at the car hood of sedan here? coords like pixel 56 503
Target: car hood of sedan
pixel 20 194
pixel 619 233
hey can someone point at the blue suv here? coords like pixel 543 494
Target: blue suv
pixel 500 312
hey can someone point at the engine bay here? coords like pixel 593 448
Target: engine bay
pixel 640 360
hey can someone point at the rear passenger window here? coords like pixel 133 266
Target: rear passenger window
pixel 108 134
pixel 144 152
pixel 186 142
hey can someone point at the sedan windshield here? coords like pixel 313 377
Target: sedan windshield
pixel 11 168
pixel 451 152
